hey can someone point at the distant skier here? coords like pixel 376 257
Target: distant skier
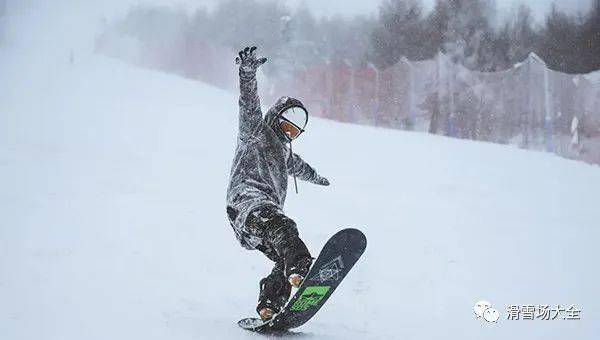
pixel 258 185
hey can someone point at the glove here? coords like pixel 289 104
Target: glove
pixel 248 62
pixel 322 181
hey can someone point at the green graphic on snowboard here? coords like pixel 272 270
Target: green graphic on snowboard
pixel 311 296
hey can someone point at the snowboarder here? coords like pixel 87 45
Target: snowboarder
pixel 258 185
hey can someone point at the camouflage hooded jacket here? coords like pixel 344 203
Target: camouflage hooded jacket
pixel 262 161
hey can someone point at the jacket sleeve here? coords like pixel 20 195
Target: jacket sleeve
pixel 250 112
pixel 298 167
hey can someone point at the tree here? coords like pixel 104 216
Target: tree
pixel 590 40
pixel 399 32
pixel 523 38
pixel 560 45
pixel 468 35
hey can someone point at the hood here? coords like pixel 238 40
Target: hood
pixel 281 105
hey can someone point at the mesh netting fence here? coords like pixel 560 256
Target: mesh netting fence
pixel 528 105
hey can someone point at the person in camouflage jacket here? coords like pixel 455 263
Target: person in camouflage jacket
pixel 258 185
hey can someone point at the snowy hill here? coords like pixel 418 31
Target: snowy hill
pixel 594 76
pixel 113 221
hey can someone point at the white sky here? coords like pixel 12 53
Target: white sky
pixel 36 16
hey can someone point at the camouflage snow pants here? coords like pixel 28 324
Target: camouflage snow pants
pixel 281 243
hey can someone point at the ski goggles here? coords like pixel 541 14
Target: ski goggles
pixel 292 121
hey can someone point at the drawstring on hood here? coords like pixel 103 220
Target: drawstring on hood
pixel 291 155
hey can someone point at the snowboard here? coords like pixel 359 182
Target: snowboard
pixel 337 257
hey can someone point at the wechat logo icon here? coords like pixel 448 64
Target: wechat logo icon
pixel 484 310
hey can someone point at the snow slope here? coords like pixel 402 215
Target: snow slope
pixel 594 76
pixel 113 222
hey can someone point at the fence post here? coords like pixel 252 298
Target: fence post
pixel 375 108
pixel 350 104
pixel 549 117
pixel 411 119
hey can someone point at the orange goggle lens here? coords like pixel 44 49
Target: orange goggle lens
pixel 289 129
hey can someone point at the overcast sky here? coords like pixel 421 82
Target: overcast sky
pixel 66 14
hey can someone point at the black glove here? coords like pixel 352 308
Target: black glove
pixel 322 181
pixel 247 60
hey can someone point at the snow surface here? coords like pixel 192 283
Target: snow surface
pixel 594 76
pixel 113 225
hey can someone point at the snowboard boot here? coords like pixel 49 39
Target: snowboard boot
pixel 266 313
pixel 274 293
pixel 297 268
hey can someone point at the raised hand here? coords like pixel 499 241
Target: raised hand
pixel 247 60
